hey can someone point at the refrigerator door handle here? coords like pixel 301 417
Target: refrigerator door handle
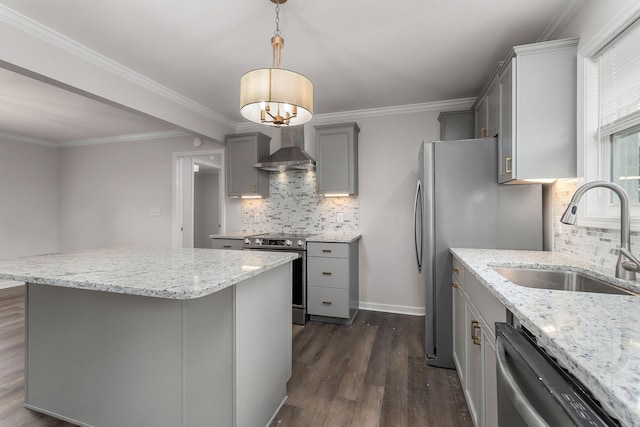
pixel 417 222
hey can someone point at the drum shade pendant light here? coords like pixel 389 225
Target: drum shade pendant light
pixel 274 96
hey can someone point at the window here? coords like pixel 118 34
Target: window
pixel 611 134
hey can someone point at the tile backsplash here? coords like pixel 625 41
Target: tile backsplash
pixel 293 206
pixel 599 246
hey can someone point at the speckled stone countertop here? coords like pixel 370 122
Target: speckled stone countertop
pixel 334 238
pixel 162 273
pixel 594 336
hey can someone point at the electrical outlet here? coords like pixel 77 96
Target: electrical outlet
pixel 340 217
pixel 256 217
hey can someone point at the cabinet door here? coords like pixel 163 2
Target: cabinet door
pixel 473 386
pixel 506 149
pixel 481 118
pixel 490 383
pixel 337 158
pixel 459 336
pixel 493 110
pixel 243 152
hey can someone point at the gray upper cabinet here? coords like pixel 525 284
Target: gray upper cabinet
pixel 337 158
pixel 487 108
pixel 455 125
pixel 244 151
pixel 537 138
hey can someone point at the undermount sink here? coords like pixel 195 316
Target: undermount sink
pixel 559 280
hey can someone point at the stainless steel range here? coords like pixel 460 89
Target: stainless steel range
pixel 291 243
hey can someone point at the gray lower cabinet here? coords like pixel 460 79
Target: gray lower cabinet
pixel 235 244
pixel 332 281
pixel 243 152
pixel 475 312
pixel 337 158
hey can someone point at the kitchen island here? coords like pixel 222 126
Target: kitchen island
pixel 157 337
pixel 594 336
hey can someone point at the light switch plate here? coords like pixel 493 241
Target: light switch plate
pixel 154 211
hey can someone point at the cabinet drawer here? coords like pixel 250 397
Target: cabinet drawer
pixel 331 250
pixel 328 272
pixel 226 243
pixel 330 302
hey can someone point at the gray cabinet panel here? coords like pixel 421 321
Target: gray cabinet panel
pixel 537 136
pixel 244 151
pixel 456 125
pixel 234 244
pixel 337 158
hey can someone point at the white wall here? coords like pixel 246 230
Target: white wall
pixel 206 208
pixel 106 192
pixel 29 191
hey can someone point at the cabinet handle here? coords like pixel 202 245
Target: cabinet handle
pixel 507 164
pixel 226 246
pixel 475 325
pixel 483 132
pixel 327 302
pixel 456 270
pixel 255 188
pixel 326 251
pixel 326 273
pixel 455 285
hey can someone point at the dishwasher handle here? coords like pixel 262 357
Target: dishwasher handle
pixel 519 400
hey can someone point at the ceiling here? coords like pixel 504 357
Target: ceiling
pixel 358 54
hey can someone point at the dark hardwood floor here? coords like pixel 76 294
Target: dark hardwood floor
pixel 372 373
pixel 369 374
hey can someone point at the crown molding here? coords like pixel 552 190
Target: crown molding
pixel 562 19
pixel 623 20
pixel 124 138
pixel 328 118
pixel 36 29
pixel 25 139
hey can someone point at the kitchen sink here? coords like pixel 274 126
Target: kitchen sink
pixel 566 280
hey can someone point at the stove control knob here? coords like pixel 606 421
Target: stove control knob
pixel 287 242
pixel 247 240
pixel 300 242
pixel 258 241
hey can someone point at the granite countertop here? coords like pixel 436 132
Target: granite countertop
pixel 322 237
pixel 334 238
pixel 594 336
pixel 162 273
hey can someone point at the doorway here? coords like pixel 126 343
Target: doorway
pixel 198 198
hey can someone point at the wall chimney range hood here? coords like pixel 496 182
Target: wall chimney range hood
pixel 291 155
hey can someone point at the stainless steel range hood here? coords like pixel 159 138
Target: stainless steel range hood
pixel 291 155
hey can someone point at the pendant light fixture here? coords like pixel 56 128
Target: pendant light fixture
pixel 274 96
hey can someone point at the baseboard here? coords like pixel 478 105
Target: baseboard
pixel 390 308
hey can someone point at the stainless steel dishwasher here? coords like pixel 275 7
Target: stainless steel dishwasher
pixel 534 391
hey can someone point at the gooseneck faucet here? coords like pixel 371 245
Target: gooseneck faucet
pixel 624 269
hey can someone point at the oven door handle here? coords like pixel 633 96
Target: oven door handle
pixel 526 410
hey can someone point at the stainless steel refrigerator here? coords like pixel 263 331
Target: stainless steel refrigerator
pixel 459 203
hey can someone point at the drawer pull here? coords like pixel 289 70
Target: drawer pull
pixel 455 285
pixel 456 270
pixel 326 273
pixel 226 246
pixel 327 302
pixel 326 251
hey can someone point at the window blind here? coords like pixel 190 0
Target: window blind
pixel 619 82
